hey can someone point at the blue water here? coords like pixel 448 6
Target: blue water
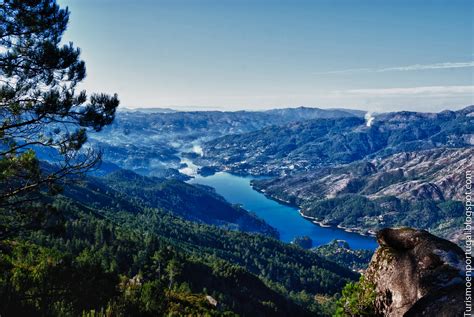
pixel 286 219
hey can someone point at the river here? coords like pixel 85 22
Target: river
pixel 286 219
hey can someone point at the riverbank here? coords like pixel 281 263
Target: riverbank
pixel 280 214
pixel 316 221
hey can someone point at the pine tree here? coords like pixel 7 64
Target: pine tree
pixel 40 109
pixel 41 112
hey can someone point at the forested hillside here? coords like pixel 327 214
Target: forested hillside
pixel 139 260
pixel 191 202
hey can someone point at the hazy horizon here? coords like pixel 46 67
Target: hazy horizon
pixel 225 109
pixel 255 55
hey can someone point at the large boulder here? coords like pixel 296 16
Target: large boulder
pixel 417 274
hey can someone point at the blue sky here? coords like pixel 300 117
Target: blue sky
pixel 238 54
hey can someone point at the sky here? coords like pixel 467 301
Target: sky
pixel 258 54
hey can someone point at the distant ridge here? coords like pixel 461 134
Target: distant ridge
pixel 305 145
pixel 148 110
pixel 309 109
pixel 165 133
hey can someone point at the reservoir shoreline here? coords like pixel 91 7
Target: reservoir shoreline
pixel 287 218
pixel 314 220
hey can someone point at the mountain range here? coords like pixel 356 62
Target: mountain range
pixel 305 145
pixel 151 142
pixel 133 238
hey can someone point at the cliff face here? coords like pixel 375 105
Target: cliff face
pixel 417 274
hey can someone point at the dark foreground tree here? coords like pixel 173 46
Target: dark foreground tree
pixel 40 110
pixel 42 116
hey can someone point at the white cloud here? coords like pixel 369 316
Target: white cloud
pixel 425 98
pixel 428 66
pixel 415 67
pixel 431 91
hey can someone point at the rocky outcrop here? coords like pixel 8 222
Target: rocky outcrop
pixel 417 274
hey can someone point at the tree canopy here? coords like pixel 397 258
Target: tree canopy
pixel 40 108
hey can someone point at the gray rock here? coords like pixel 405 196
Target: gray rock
pixel 417 274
